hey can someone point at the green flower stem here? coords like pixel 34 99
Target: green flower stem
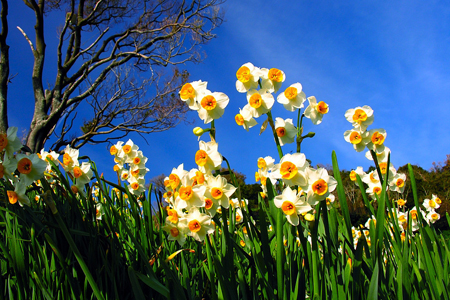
pixel 299 129
pixel 269 117
pixel 280 254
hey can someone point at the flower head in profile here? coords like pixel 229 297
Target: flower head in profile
pixel 9 142
pixel 360 117
pixel 174 180
pixel 292 205
pixel 293 97
pixel 285 130
pixel 190 93
pixel 197 224
pixel 291 169
pixel 70 158
pixel 245 118
pixel 315 111
pixel 247 77
pixel 353 173
pixel 208 157
pixel 259 102
pixel 18 195
pixel 272 79
pixel 212 106
pixel 266 163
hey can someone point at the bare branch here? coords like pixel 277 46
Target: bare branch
pixel 28 39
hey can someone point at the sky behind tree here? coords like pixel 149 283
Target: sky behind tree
pixel 392 56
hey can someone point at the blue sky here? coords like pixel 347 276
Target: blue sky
pixel 392 56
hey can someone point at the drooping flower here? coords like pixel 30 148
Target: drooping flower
pixel 272 79
pixel 292 205
pixel 247 77
pixel 315 111
pixel 245 118
pixel 212 106
pixel 208 157
pixel 360 117
pixel 293 97
pixel 259 102
pixel 285 130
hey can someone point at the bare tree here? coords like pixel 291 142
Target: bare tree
pixel 105 47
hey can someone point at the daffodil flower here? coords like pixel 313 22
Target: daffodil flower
pixel 212 106
pixel 291 169
pixel 197 224
pixel 83 173
pixel 266 163
pixel 315 111
pixel 272 79
pixel 190 93
pixel 176 232
pixel 374 189
pixel 175 176
pixel 247 77
pixel 292 205
pixel 376 140
pixel 245 118
pixel 208 157
pixel 190 195
pixel 432 216
pixel 18 195
pixel 293 97
pixel 259 102
pixel 70 158
pixel 357 139
pixel 360 117
pixel 319 185
pixel 397 183
pixel 285 130
pixel 9 142
pixel 219 189
pixel 430 204
pixel 359 171
pixel 136 185
pixel 30 167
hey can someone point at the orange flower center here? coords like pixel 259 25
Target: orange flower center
pixel 201 157
pixel 377 138
pixel 135 186
pixel 359 116
pixel 243 74
pixel 216 193
pixel 174 232
pixel 172 215
pixel 255 100
pixel 377 190
pixel 290 93
pixel 262 163
pixel 208 203
pixel 174 181
pixel 24 166
pixel 136 160
pixel 186 193
pixel 353 175
pixel 126 149
pixel 383 168
pixel 288 170
pixel 187 91
pixel 12 197
pixel 77 172
pixel 67 160
pixel 113 150
pixel 200 178
pixel 355 138
pixel 322 107
pixel 400 182
pixel 281 131
pixel 320 187
pixel 3 141
pixel 239 119
pixel 288 207
pixel 209 102
pixel 275 75
pixel 194 226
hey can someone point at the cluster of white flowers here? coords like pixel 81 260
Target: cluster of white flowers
pixel 130 165
pixel 29 167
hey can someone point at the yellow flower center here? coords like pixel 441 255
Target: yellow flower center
pixel 116 168
pixel 400 183
pixel 383 168
pixel 186 193
pixel 194 226
pixel 414 214
pixel 263 180
pixel 135 186
pixel 113 150
pixel 355 138
pixel 174 232
pixel 208 203
pixel 127 149
pixel 67 160
pixel 135 173
pixel 216 193
pixel 239 119
pixel 288 208
pixel 3 141
pixel 402 218
pixel 243 74
pixel 372 178
pixel 353 175
pixel 320 187
pixel 238 218
pixel 438 201
pixel 125 175
pixel 136 160
pixel 432 203
pixel 359 116
pixel 200 178
pixel 322 107
pixel 242 243
pixel 288 170
pixel 377 138
pixel 77 172
pixel 262 163
pixel 24 166
pixel 12 197
pixel 209 102
pixel 275 75
pixel 290 93
pixel 328 201
pixel 201 157
pixel 255 100
pixel 401 202
pixel 435 216
pixel 281 131
pixel 187 91
pixel 174 181
pixel 377 190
